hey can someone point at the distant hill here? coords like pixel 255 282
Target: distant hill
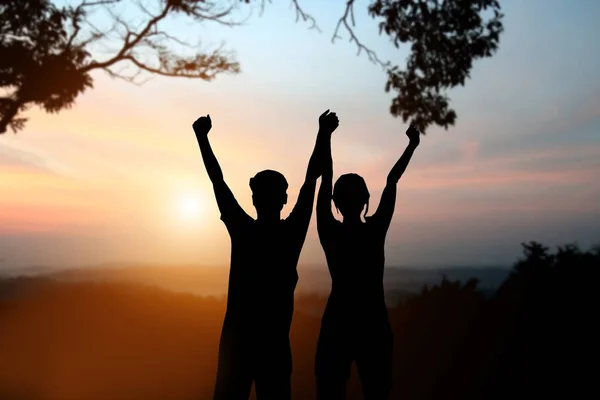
pixel 212 280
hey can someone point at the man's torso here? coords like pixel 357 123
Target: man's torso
pixel 263 277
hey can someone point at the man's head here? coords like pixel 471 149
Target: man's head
pixel 350 195
pixel 269 191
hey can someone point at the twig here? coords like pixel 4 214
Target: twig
pixel 301 14
pixel 343 21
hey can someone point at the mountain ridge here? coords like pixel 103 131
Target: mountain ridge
pixel 212 280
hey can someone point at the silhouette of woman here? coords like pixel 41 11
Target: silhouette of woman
pixel 355 325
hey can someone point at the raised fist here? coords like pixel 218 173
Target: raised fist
pixel 202 125
pixel 328 122
pixel 413 134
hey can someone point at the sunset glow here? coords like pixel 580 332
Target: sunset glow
pixel 120 176
pixel 189 208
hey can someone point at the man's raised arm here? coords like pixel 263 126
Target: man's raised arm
pixel 302 211
pixel 385 211
pixel 228 205
pixel 324 215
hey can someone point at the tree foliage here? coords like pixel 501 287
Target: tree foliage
pixel 46 55
pixel 37 60
pixel 48 52
pixel 446 37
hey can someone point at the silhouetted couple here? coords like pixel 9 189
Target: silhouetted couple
pixel 255 342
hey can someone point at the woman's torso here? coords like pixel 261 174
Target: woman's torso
pixel 356 258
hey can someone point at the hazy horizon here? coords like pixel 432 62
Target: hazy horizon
pixel 213 280
pixel 50 268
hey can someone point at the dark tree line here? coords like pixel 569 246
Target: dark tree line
pixel 527 341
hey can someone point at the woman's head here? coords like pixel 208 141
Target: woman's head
pixel 350 195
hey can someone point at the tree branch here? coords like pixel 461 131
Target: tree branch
pixel 347 21
pixel 67 60
pixel 170 63
pixel 128 78
pixel 301 14
pixel 75 21
pixel 200 66
pixel 343 21
pixel 99 3
pixel 129 44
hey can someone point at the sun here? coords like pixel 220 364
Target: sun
pixel 189 207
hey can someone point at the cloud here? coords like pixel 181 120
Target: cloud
pixel 16 158
pixel 498 178
pixel 570 155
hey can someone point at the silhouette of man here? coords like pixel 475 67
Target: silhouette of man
pixel 355 324
pixel 254 342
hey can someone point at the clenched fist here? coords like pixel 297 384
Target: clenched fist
pixel 328 122
pixel 202 125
